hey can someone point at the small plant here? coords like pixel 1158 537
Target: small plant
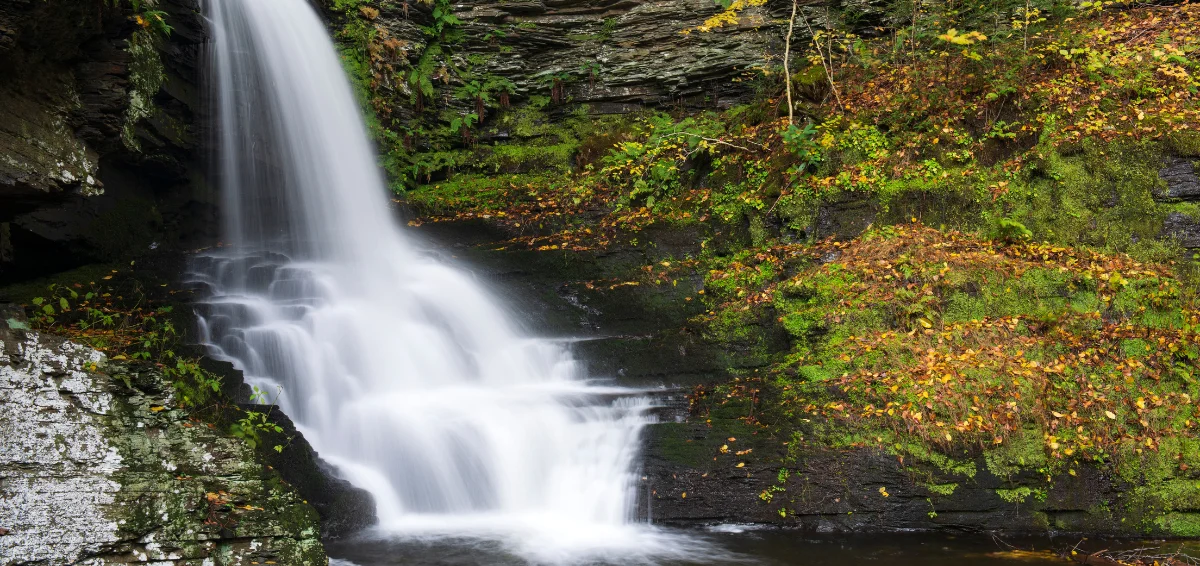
pixel 462 125
pixel 476 92
pixel 251 426
pixel 800 141
pixel 146 16
pixel 591 70
pixel 493 37
pixel 503 89
pixel 557 81
pixel 444 25
pixel 1010 230
pixel 254 423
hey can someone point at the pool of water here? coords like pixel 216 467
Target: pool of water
pixel 733 544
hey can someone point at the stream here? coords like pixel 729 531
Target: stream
pixel 747 544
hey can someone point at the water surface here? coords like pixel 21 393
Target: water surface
pixel 731 545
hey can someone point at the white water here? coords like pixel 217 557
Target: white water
pixel 399 369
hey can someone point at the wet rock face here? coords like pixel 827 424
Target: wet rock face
pixel 40 154
pixel 620 53
pixel 97 133
pixel 344 508
pixel 614 55
pixel 1183 228
pixel 1180 175
pixel 98 466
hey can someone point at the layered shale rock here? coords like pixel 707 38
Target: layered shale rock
pixel 97 133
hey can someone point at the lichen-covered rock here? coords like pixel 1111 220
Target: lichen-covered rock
pixel 40 155
pixel 55 459
pixel 99 466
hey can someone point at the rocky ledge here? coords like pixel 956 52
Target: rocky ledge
pixel 99 465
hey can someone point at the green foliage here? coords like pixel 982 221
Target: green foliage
pixel 196 386
pixel 420 77
pixel 1020 494
pixel 444 25
pixel 943 489
pixel 125 330
pixel 146 14
pixel 801 142
pixel 651 167
pixel 251 426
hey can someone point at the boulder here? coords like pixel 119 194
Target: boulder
pixel 100 465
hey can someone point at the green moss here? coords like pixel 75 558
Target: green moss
pixel 23 293
pixel 945 464
pixel 1020 494
pixel 146 77
pixel 1100 195
pixel 1179 524
pixel 1022 452
pixel 943 489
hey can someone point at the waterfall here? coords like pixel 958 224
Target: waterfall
pixel 401 370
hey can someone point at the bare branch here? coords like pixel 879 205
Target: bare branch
pixel 714 140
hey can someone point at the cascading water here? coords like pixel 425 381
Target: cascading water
pixel 398 368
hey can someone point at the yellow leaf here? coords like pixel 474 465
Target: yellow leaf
pixel 741 465
pixel 157 408
pixel 1110 415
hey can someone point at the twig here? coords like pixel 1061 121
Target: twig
pixel 714 140
pixel 826 65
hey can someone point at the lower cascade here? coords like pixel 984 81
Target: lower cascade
pixel 401 370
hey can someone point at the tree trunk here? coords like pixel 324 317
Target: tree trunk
pixel 787 53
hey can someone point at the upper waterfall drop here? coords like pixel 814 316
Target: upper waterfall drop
pixel 399 369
